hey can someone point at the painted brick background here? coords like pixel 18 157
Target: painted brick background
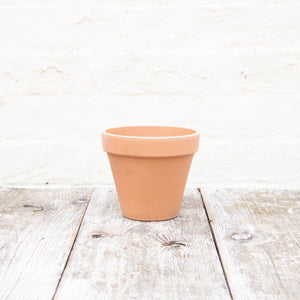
pixel 229 68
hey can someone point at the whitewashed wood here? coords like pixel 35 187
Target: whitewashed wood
pixel 37 230
pixel 258 236
pixel 117 258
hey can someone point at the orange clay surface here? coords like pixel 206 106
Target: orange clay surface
pixel 150 166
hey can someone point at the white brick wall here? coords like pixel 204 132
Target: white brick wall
pixel 70 69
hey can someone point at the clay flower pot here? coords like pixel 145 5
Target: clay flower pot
pixel 150 166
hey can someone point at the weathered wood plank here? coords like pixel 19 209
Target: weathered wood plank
pixel 37 230
pixel 117 258
pixel 258 237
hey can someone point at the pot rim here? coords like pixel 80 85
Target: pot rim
pixel 151 146
pixel 194 133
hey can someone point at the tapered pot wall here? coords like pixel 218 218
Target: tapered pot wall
pixel 150 166
pixel 150 188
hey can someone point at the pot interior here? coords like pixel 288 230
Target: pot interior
pixel 151 131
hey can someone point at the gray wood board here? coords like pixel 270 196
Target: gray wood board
pixel 37 231
pixel 118 258
pixel 258 237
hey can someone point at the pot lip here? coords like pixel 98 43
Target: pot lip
pixel 194 134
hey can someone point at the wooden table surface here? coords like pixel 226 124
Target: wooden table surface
pixel 75 244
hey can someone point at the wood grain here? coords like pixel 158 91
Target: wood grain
pixel 258 237
pixel 37 231
pixel 117 258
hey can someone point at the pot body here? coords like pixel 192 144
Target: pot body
pixel 150 167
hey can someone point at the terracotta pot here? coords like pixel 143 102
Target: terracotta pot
pixel 150 166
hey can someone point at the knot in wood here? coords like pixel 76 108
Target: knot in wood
pixel 170 242
pixel 242 236
pixel 174 244
pixel 97 235
pixel 82 200
pixel 35 208
pixel 79 201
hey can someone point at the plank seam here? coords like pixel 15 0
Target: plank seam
pixel 71 249
pixel 215 243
